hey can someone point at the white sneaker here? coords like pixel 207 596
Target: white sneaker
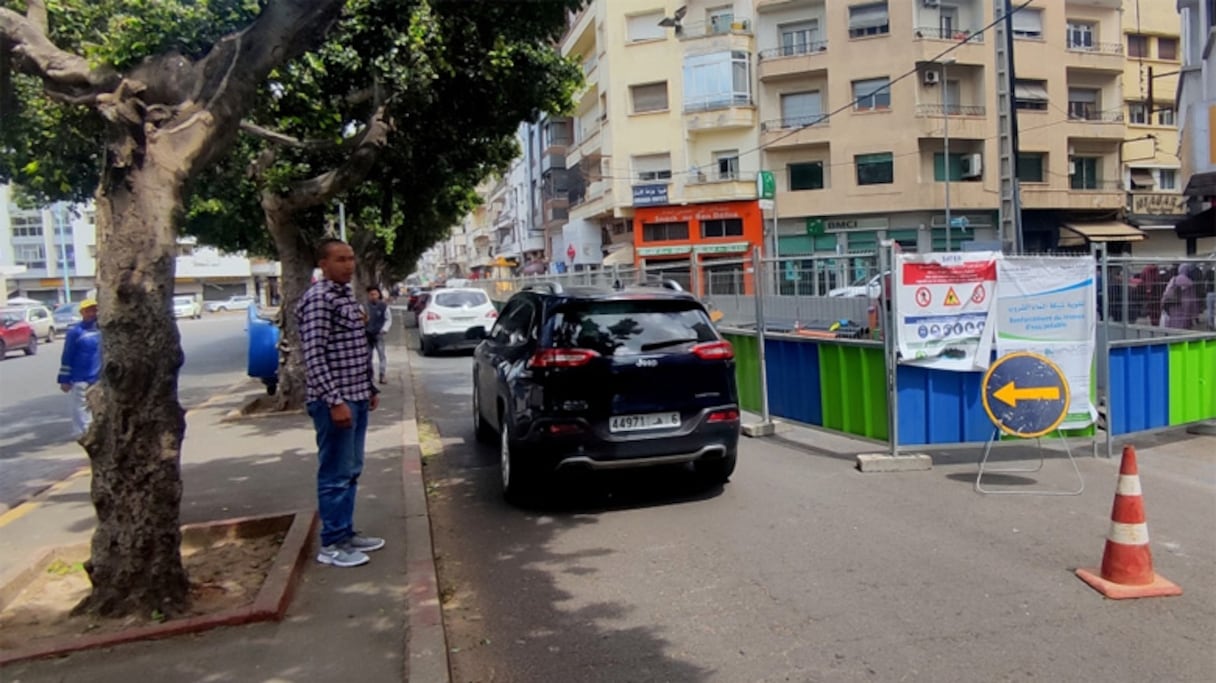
pixel 341 556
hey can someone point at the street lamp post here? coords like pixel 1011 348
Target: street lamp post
pixel 946 140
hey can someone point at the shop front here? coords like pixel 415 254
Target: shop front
pixel 701 246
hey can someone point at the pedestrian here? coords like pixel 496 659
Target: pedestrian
pixel 340 393
pixel 80 365
pixel 1182 304
pixel 379 320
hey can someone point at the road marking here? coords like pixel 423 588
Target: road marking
pixel 30 505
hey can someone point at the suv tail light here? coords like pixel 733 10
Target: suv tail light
pixel 492 315
pixel 432 315
pixel 719 350
pixel 724 416
pixel 562 358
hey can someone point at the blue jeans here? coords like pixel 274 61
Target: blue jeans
pixel 340 462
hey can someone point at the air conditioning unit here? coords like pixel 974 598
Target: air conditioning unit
pixel 971 166
pixel 932 77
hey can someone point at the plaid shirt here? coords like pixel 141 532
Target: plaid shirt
pixel 336 353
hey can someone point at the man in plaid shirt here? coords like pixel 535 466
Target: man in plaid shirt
pixel 340 396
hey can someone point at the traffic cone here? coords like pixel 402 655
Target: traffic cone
pixel 1127 562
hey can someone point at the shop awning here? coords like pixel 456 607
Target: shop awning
pixel 1202 224
pixel 620 257
pixel 1030 91
pixel 1201 185
pixel 1142 177
pixel 1080 234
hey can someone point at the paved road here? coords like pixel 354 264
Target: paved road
pixel 803 569
pixel 35 446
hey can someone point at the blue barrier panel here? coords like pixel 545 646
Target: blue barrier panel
pixel 794 381
pixel 1138 388
pixel 939 407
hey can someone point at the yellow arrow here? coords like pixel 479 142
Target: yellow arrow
pixel 1010 394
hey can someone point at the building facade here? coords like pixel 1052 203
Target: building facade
pixel 1197 114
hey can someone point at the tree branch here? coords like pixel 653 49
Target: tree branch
pixel 67 76
pixel 285 140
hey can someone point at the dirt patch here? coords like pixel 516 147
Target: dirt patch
pixel 226 573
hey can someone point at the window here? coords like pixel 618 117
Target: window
pixel 663 232
pixel 29 255
pixel 619 328
pixel 1084 173
pixel 947 22
pixel 1137 113
pixel 728 164
pixel 800 38
pixel 875 169
pixel 645 27
pixel 906 239
pixel 1167 179
pixel 960 168
pixel 1137 45
pixel 1167 49
pixel 29 225
pixel 1165 116
pixel 461 299
pixel 1080 36
pixel 869 20
pixel 1030 95
pixel 1032 167
pixel 801 109
pixel 807 175
pixel 1083 104
pixel 726 227
pixel 1142 179
pixel 717 80
pixel 719 19
pixel 649 97
pixel 1028 24
pixel 652 167
pixel 872 95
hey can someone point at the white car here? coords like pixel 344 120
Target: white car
pixel 452 319
pixel 232 303
pixel 186 306
pixel 868 287
pixel 39 317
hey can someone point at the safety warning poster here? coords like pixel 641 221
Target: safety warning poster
pixel 943 307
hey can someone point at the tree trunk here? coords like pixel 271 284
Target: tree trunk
pixel 297 259
pixel 134 442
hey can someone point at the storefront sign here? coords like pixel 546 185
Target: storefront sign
pixel 841 224
pixel 1157 204
pixel 766 185
pixel 650 195
pixel 815 227
pixel 665 251
pixel 732 248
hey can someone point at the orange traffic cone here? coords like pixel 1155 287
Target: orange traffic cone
pixel 1127 562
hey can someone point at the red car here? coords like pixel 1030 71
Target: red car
pixel 16 335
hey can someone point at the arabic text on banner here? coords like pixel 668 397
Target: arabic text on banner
pixel 1049 306
pixel 944 307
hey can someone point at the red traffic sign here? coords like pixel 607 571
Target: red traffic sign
pixel 923 297
pixel 977 296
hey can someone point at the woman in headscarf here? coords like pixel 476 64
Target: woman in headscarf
pixel 1181 304
pixel 1151 288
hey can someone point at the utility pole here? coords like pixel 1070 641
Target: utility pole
pixel 946 140
pixel 1010 219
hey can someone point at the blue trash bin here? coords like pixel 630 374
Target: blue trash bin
pixel 263 349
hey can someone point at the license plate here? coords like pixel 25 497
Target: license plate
pixel 642 423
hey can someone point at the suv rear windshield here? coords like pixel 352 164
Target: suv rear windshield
pixel 183 299
pixel 460 299
pixel 619 328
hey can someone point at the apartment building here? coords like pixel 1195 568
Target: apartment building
pixel 1151 163
pixel 1197 114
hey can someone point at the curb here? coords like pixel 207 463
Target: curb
pixel 426 645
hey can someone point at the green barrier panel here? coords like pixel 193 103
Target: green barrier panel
pixel 1192 381
pixel 854 390
pixel 747 370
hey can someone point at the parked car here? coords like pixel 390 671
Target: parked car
pixel 39 317
pixel 232 303
pixel 67 315
pixel 869 286
pixel 186 306
pixel 16 334
pixel 452 317
pixel 605 379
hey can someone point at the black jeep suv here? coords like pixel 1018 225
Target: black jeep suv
pixel 605 379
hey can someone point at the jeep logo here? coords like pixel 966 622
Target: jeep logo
pixel 647 363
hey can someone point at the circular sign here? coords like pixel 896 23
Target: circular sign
pixel 1025 394
pixel 978 294
pixel 923 297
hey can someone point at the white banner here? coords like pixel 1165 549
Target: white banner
pixel 1049 306
pixel 944 309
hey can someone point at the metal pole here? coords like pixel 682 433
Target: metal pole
pixel 63 257
pixel 342 220
pixel 1102 254
pixel 946 144
pixel 886 263
pixel 765 428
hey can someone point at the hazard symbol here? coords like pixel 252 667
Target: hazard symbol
pixel 923 297
pixel 977 296
pixel 952 298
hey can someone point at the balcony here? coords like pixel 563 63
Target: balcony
pixel 1095 195
pixel 971 50
pixel 553 157
pixel 724 25
pixel 720 113
pixel 556 211
pixel 1106 57
pixel 719 187
pixel 1086 121
pixel 793 133
pixel 793 60
pixel 589 144
pixel 966 120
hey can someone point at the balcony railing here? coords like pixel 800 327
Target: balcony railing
pixel 1097 48
pixel 816 120
pixel 712 102
pixel 1084 111
pixel 951 109
pixel 809 48
pixel 701 29
pixel 1096 185
pixel 956 34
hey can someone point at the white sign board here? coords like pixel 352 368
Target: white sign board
pixel 944 309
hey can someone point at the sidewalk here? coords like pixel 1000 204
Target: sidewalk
pixel 342 623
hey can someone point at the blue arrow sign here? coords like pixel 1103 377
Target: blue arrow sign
pixel 1025 394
